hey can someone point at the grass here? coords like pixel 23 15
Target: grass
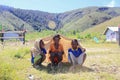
pixel 36 35
pixel 102 63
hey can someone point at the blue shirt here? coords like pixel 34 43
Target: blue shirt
pixel 76 52
pixel 43 50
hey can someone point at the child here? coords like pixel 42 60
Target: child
pixel 56 50
pixel 76 54
pixel 38 53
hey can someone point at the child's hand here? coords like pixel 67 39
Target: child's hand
pixel 83 49
pixel 42 53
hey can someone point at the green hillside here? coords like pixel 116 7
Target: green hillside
pixel 11 22
pixel 101 27
pixel 89 17
pixel 79 19
pixel 86 21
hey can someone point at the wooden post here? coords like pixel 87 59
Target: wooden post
pixel 2 40
pixel 2 34
pixel 119 35
pixel 24 37
pixel 2 37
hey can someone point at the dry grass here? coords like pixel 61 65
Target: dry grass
pixel 102 63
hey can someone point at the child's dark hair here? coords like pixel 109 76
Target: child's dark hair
pixel 41 41
pixel 74 40
pixel 56 36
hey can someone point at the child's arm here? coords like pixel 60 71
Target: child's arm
pixel 83 49
pixel 62 49
pixel 50 49
pixel 44 51
pixel 31 53
pixel 32 58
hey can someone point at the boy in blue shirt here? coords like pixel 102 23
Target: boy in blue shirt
pixel 76 55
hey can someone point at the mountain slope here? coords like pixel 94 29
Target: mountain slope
pixel 11 22
pixel 101 27
pixel 37 19
pixel 86 21
pixel 79 19
pixel 89 17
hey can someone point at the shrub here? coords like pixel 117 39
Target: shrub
pixel 7 71
pixel 18 55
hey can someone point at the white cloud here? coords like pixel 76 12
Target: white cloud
pixel 111 4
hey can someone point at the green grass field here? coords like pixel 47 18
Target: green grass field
pixel 102 63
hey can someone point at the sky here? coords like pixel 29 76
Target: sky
pixel 58 6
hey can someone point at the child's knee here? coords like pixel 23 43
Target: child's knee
pixel 85 55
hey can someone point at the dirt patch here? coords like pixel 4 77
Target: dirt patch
pixel 97 49
pixel 109 69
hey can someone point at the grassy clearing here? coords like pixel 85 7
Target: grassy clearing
pixel 36 35
pixel 102 63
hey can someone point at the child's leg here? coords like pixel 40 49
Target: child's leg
pixel 72 59
pixel 81 59
pixel 42 59
pixel 60 57
pixel 84 58
pixel 32 58
pixel 52 55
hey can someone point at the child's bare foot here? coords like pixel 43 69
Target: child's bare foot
pixel 78 66
pixel 72 68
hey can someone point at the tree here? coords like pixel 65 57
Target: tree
pixel 74 32
pixel 0 27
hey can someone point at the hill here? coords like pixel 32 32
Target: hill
pixel 79 19
pixel 37 19
pixel 101 27
pixel 11 22
pixel 83 19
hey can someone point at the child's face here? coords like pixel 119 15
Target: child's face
pixel 42 44
pixel 56 40
pixel 74 45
